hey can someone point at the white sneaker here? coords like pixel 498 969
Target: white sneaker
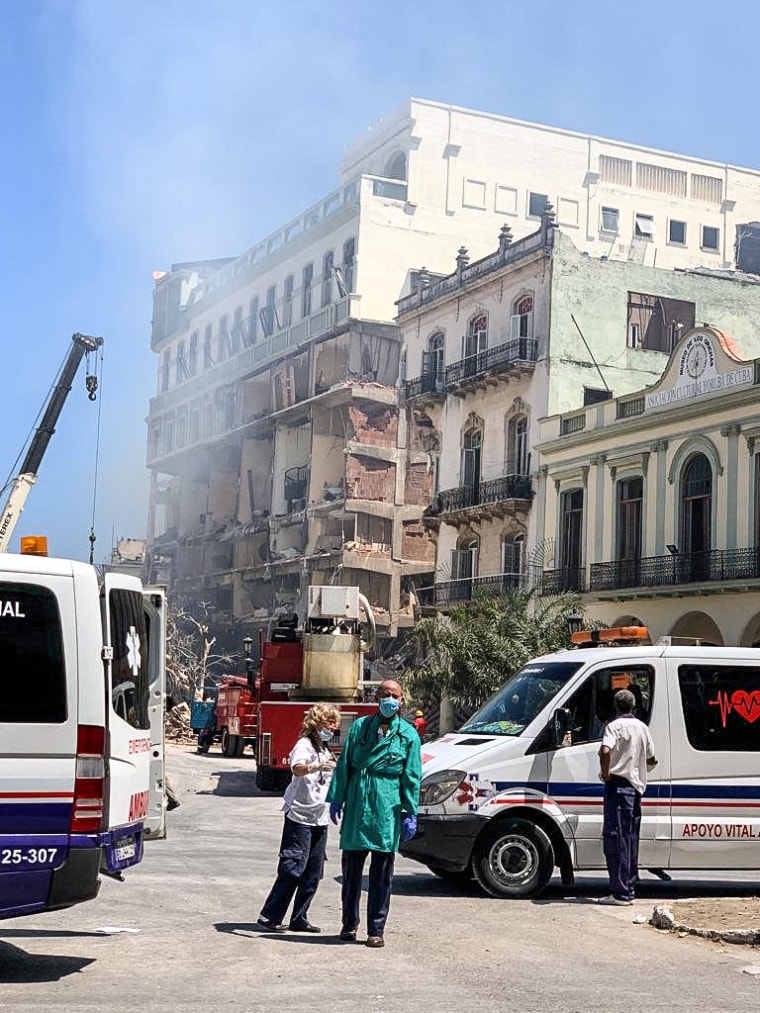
pixel 617 901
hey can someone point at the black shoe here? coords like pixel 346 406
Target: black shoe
pixel 270 926
pixel 304 927
pixel 172 804
pixel 375 942
pixel 348 935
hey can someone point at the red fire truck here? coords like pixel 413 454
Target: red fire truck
pixel 318 663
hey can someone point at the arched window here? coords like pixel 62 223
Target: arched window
pixel 513 561
pixel 571 539
pixel 518 458
pixel 696 515
pixel 472 445
pixel 433 362
pixel 464 559
pixel 522 317
pixel 395 167
pixel 475 342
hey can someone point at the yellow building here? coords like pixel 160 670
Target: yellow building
pixel 649 504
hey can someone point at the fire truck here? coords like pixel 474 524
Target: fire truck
pixel 320 662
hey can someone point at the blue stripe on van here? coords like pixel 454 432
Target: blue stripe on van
pixel 35 817
pixel 580 789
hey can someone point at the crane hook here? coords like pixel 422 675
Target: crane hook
pixel 91 383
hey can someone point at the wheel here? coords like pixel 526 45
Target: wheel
pixel 452 875
pixel 239 745
pixel 266 778
pixel 513 858
pixel 226 742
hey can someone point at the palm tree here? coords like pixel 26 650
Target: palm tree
pixel 469 653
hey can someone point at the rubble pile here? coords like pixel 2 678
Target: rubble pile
pixel 177 723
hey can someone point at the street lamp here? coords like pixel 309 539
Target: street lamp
pixel 574 623
pixel 673 550
pixel 247 649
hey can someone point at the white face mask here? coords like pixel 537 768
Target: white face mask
pixel 325 734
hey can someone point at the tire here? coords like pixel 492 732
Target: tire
pixel 226 742
pixel 513 858
pixel 462 876
pixel 239 745
pixel 266 779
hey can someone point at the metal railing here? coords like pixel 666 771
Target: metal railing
pixel 683 568
pixel 428 383
pixel 457 592
pixel 564 578
pixel 572 424
pixel 495 490
pixel 492 359
pixel 627 409
pixel 296 483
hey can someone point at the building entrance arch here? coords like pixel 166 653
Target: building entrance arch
pixel 698 625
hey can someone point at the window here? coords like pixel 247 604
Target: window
pixel 195 425
pixel 756 465
pixel 518 458
pixel 644 226
pixel 537 204
pixel 165 371
pixel 592 706
pixel 710 237
pixel 267 313
pixel 471 451
pixel 513 560
pixel 31 656
pixel 610 220
pixel 464 559
pixel 521 324
pixel 748 247
pixel 433 362
pixel 192 355
pixel 522 698
pixel 720 706
pixel 349 264
pixel 287 301
pixel 475 341
pixel 571 537
pixel 655 322
pixel 253 320
pixel 129 668
pixel 307 280
pixel 595 395
pixel 676 233
pixel 236 334
pixel 223 340
pixel 630 497
pixel 181 372
pixel 696 516
pixel 208 358
pixel 327 278
pixel 395 168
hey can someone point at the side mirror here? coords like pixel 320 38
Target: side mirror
pixel 559 726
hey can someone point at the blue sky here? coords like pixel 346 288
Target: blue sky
pixel 137 134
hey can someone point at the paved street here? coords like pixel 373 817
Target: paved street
pixel 196 897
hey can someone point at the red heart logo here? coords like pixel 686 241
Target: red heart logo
pixel 746 704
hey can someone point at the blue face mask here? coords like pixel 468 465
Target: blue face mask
pixel 389 707
pixel 325 734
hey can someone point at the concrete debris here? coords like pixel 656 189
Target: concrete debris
pixel 751 969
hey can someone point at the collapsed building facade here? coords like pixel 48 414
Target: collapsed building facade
pixel 280 449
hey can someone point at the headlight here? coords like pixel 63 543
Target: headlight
pixel 437 787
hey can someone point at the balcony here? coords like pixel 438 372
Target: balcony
pixel 296 488
pixel 493 498
pixel 458 592
pixel 430 386
pixel 520 353
pixel 563 579
pixel 674 570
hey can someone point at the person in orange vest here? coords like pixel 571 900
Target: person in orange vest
pixel 420 724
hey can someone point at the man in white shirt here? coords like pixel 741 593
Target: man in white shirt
pixel 625 757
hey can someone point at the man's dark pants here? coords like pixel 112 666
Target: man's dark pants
pixel 302 858
pixel 378 895
pixel 622 825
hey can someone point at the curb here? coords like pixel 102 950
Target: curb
pixel 664 919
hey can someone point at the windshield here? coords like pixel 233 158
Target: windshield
pixel 515 705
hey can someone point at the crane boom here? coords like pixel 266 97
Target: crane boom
pixel 14 504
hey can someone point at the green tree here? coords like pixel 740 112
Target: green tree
pixel 469 653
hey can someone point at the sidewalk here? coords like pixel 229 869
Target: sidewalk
pixel 732 919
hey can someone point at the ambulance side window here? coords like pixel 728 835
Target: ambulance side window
pixel 129 670
pixel 591 706
pixel 721 704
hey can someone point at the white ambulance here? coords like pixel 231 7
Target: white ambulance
pixel 516 791
pixel 81 728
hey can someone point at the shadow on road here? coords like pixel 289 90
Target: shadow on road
pixel 18 966
pixel 234 784
pixel 250 929
pixel 588 891
pixel 47 934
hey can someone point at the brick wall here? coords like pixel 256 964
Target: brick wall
pixel 368 478
pixel 418 490
pixel 380 429
pixel 417 544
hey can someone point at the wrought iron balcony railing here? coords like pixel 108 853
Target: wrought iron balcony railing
pixel 492 360
pixel 296 484
pixel 458 592
pixel 428 383
pixel 495 490
pixel 564 578
pixel 683 568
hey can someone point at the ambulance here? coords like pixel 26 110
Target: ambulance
pixel 516 792
pixel 81 728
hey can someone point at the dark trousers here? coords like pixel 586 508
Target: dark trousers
pixel 622 825
pixel 378 895
pixel 302 859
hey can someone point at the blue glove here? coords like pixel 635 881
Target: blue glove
pixel 336 811
pixel 408 827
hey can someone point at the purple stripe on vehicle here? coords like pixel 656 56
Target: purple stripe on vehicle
pixel 35 817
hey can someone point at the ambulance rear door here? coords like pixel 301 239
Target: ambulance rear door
pixel 155 612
